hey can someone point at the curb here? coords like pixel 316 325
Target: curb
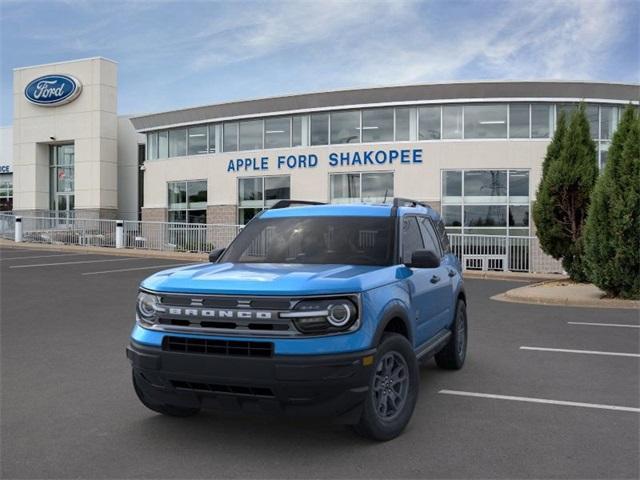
pixel 515 276
pixel 515 296
pixel 126 252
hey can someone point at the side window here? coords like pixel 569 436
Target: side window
pixel 411 238
pixel 430 237
pixel 444 239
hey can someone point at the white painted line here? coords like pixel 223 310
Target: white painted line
pixel 42 256
pixel 128 259
pixel 140 268
pixel 588 352
pixel 542 400
pixel 622 325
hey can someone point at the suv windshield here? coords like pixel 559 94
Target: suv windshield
pixel 315 240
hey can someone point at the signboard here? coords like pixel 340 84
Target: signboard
pixel 53 90
pixel 363 158
pixel 5 168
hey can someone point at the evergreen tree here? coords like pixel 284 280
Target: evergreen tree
pixel 612 233
pixel 563 197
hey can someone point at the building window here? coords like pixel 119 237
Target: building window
pixel 277 132
pixel 519 120
pixel 296 131
pixel 345 127
pixel 429 123
pixel 163 144
pixel 152 146
pixel 487 202
pixel 6 192
pixel 485 121
pixel 251 135
pixel 403 124
pixel 452 121
pixel 257 193
pixel 230 137
pixel 197 140
pixel 608 122
pixel 212 138
pixel 320 129
pixel 178 142
pixel 61 179
pixel 188 201
pixel 541 120
pixel 373 187
pixel 377 125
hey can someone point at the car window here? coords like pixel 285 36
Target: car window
pixel 411 238
pixel 442 233
pixel 429 236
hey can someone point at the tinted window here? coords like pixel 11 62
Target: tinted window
pixel 377 187
pixel 429 236
pixel 444 239
pixel 452 121
pixel 541 116
pixel 197 140
pixel 429 123
pixel 403 122
pixel 377 125
pixel 411 238
pixel 315 240
pixel 277 132
pixel 320 129
pixel 251 135
pixel 230 137
pixel 345 127
pixel 178 142
pixel 519 120
pixel 485 121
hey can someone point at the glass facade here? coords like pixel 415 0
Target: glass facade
pixel 61 179
pixel 382 124
pixel 370 187
pixel 187 201
pixel 6 192
pixel 487 202
pixel 257 193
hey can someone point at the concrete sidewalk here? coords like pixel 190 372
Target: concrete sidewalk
pixel 565 292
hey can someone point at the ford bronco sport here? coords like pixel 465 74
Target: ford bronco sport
pixel 312 309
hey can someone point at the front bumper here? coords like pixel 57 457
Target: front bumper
pixel 321 385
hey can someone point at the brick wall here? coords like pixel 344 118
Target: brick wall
pixel 222 214
pixel 154 214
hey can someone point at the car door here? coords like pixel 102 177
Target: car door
pixel 422 289
pixel 441 277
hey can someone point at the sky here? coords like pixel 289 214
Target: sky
pixel 176 54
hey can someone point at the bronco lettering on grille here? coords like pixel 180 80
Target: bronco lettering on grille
pixel 217 313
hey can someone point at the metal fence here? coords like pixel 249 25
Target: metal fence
pixel 476 252
pixel 185 237
pixel 67 231
pixel 7 226
pixel 501 253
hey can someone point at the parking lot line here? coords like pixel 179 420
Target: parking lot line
pixel 541 400
pixel 588 352
pixel 621 325
pixel 140 268
pixel 75 263
pixel 41 256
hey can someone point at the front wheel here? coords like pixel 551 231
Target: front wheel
pixel 393 390
pixel 454 353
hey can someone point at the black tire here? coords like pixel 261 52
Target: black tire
pixel 453 355
pixel 165 409
pixel 374 423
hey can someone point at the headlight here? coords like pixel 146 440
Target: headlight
pixel 324 315
pixel 146 307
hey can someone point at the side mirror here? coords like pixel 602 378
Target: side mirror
pixel 424 259
pixel 215 254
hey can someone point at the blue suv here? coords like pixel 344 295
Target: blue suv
pixel 313 309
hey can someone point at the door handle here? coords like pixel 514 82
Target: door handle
pixel 435 279
pixel 452 273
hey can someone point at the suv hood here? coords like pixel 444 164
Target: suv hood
pixel 270 279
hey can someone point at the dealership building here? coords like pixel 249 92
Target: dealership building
pixel 473 150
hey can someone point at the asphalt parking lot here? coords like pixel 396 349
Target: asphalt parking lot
pixel 68 409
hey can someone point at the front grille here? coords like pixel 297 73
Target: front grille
pixel 217 347
pixel 228 389
pixel 263 303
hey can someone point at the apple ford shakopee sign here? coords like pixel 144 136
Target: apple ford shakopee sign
pixel 53 90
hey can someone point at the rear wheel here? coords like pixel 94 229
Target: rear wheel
pixel 393 390
pixel 165 409
pixel 453 355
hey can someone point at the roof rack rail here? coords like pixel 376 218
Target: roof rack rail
pixel 405 202
pixel 293 203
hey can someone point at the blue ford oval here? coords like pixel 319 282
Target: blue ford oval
pixel 52 90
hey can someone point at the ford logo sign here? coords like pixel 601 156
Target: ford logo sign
pixel 53 90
